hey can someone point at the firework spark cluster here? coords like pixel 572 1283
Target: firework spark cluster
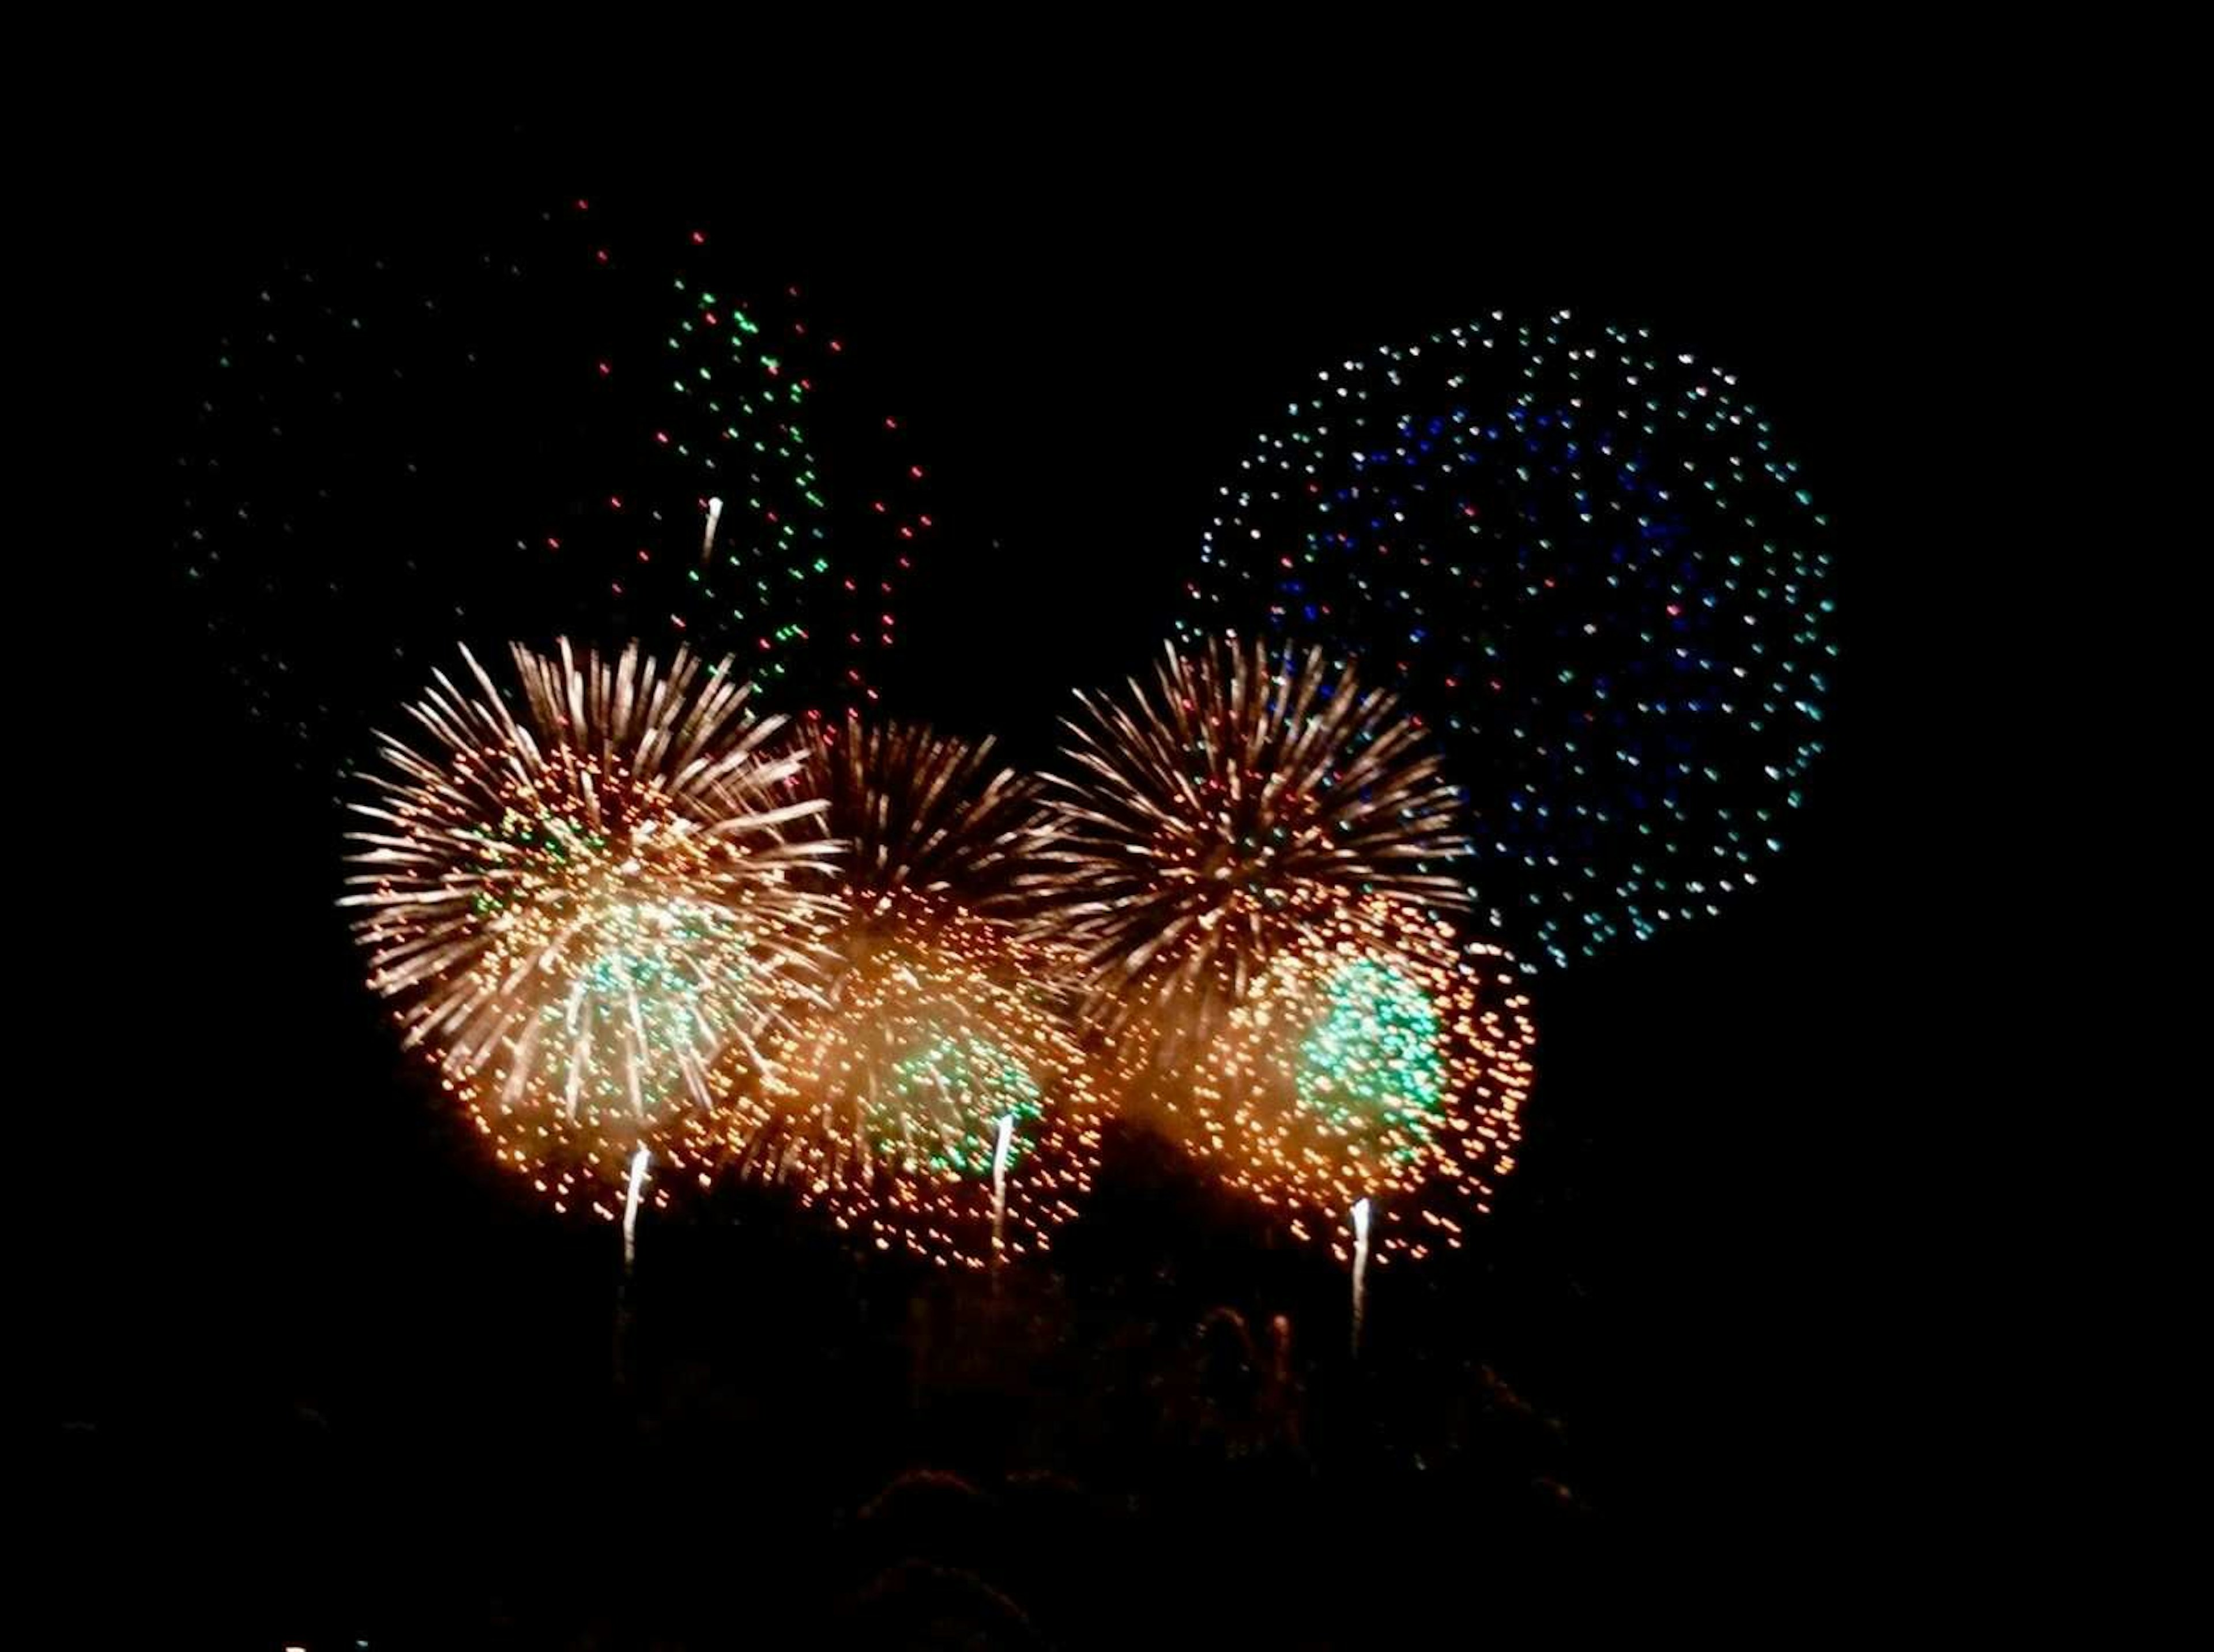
pixel 1586 555
pixel 886 1104
pixel 583 905
pixel 1247 867
pixel 1202 822
pixel 624 428
pixel 1378 1056
pixel 933 1096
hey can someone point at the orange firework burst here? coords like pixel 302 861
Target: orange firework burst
pixel 934 1101
pixel 931 1099
pixel 1379 1057
pixel 584 908
pixel 1208 820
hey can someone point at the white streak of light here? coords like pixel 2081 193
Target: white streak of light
pixel 637 1164
pixel 1360 1267
pixel 1000 1182
pixel 707 539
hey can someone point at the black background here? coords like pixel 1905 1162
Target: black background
pixel 253 1212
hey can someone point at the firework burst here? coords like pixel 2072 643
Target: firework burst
pixel 1585 553
pixel 887 1106
pixel 921 813
pixel 1379 1057
pixel 638 430
pixel 1210 821
pixel 582 908
pixel 931 1099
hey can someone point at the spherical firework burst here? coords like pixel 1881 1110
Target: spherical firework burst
pixel 629 426
pixel 583 907
pixel 1585 556
pixel 934 1101
pixel 1379 1057
pixel 931 1099
pixel 1207 823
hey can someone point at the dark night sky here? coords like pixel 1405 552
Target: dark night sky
pixel 260 1211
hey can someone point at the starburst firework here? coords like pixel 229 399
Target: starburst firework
pixel 582 908
pixel 931 1099
pixel 1208 821
pixel 921 813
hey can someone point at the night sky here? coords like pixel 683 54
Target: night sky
pixel 259 1212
